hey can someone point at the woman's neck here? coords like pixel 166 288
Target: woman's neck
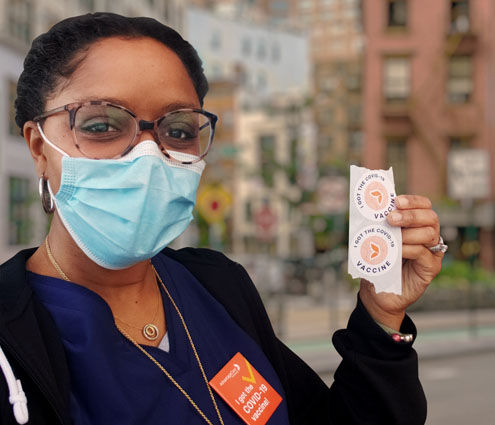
pixel 131 293
pixel 79 268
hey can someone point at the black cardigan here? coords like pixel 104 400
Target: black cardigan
pixel 376 383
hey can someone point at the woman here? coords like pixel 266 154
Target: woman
pixel 102 324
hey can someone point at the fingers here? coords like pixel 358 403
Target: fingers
pixel 403 202
pixel 414 218
pixel 420 227
pixel 414 252
pixel 427 236
pixel 419 252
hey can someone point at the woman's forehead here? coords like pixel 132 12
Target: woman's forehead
pixel 139 72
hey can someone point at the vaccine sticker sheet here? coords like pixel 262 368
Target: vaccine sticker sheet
pixel 375 247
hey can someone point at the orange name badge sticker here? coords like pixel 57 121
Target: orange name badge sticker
pixel 246 391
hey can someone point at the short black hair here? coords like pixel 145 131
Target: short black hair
pixel 52 55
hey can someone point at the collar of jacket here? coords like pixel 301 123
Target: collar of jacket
pixel 30 338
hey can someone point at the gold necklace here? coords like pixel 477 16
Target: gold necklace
pixel 150 331
pixel 156 362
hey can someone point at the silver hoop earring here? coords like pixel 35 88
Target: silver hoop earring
pixel 45 195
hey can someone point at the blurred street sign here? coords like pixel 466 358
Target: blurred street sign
pixel 214 203
pixel 468 174
pixel 332 195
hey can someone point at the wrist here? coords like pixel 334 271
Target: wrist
pixel 395 335
pixel 391 320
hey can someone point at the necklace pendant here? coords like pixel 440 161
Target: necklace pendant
pixel 151 332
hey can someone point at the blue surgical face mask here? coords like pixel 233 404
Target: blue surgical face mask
pixel 122 211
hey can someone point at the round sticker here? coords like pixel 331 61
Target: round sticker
pixel 374 195
pixel 374 250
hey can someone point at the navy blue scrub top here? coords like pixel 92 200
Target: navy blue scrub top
pixel 112 382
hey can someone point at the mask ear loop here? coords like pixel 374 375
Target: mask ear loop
pixel 46 195
pixel 45 139
pixel 44 188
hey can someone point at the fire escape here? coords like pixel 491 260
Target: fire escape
pixel 412 116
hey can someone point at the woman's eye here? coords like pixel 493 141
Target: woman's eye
pixel 98 127
pixel 180 134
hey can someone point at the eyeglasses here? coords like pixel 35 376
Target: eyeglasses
pixel 102 130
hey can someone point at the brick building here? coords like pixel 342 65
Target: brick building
pixel 429 88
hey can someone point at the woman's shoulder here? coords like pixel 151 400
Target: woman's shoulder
pixel 224 278
pixel 18 261
pixel 205 256
pixel 206 263
pixel 229 283
pixel 13 277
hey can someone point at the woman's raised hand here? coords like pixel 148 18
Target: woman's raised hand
pixel 420 231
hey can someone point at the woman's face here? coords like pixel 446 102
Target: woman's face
pixel 141 74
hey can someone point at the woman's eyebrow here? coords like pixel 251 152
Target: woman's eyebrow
pixel 113 100
pixel 179 105
pixel 169 107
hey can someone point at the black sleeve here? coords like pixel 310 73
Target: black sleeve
pixel 376 382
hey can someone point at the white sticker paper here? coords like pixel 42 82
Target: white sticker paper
pixel 375 247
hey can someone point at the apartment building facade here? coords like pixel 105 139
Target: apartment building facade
pixel 429 89
pixel 259 85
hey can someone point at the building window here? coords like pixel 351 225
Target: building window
pixel 243 77
pixel 338 45
pixel 338 26
pixel 246 46
pixel 326 83
pixel 459 16
pixel 248 210
pixel 261 51
pixel 276 53
pixel 167 12
pixel 216 71
pixel 396 79
pixel 267 147
pixel 351 12
pixel 397 158
pixel 292 171
pixel 13 129
pixel 216 40
pixel 353 81
pixel 460 82
pixel 20 224
pixel 87 4
pixel 457 143
pixel 397 13
pixel 279 6
pixel 304 5
pixel 326 16
pixel 325 116
pixel 354 115
pixel 261 81
pixel 355 141
pixel 19 14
